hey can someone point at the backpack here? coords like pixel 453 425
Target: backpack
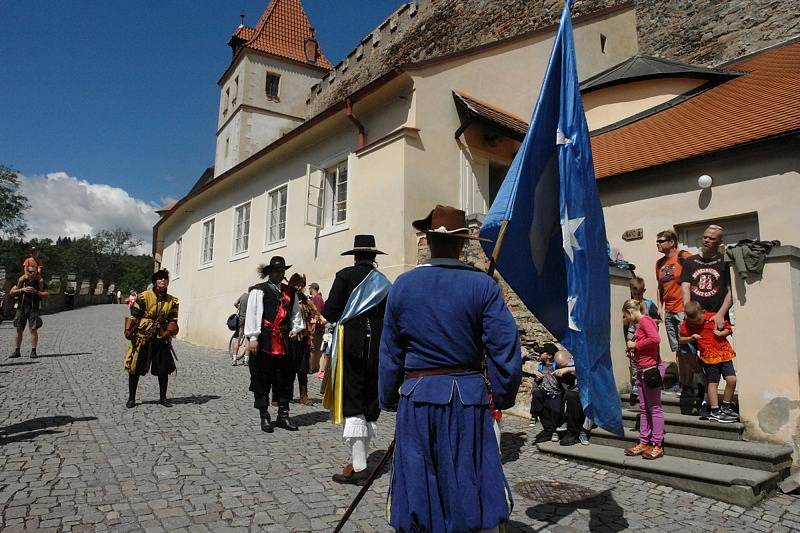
pixel 233 322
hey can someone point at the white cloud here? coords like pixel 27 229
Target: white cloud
pixel 62 205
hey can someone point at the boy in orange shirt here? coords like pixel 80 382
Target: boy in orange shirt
pixel 716 357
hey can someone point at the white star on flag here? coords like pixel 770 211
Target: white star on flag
pixel 568 229
pixel 561 138
pixel 571 301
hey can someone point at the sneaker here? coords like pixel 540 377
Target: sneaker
pixel 554 437
pixel 533 422
pixel 653 452
pixel 584 438
pixel 730 412
pixel 33 353
pixel 718 415
pixel 675 389
pixel 637 449
pixel 705 410
pixel 562 427
pixel 15 354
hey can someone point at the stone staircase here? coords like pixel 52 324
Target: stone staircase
pixel 701 456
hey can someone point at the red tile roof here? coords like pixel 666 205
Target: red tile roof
pixel 762 103
pixel 282 31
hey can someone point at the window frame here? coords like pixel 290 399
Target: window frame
pixel 277 96
pixel 178 256
pixel 332 191
pixel 235 227
pixel 210 263
pixel 280 243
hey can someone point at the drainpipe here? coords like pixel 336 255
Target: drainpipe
pixel 362 134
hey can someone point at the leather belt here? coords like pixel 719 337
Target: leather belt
pixel 413 374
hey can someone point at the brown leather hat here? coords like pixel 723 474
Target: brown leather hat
pixel 446 221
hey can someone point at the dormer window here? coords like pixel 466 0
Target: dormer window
pixel 273 86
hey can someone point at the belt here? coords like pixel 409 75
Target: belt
pixel 413 374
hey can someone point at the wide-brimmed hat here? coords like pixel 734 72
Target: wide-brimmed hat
pixel 276 261
pixel 364 244
pixel 446 221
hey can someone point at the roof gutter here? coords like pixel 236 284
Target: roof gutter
pixel 362 134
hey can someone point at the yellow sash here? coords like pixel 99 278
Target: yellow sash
pixel 333 398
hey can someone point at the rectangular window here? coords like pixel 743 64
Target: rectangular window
pixel 207 252
pixel 276 215
pixel 178 246
pixel 227 100
pixel 241 229
pixel 336 193
pixel 235 89
pixel 273 86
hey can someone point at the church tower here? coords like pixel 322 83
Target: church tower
pixel 264 90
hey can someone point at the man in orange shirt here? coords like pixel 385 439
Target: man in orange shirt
pixel 670 303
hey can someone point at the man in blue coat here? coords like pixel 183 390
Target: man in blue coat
pixel 447 332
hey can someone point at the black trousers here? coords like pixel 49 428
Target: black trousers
pixel 574 412
pixel 271 374
pixel 547 409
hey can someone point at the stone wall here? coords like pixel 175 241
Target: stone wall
pixel 711 32
pixel 706 32
pixel 432 28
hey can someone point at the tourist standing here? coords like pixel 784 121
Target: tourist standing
pixel 447 474
pixel 28 293
pixel 150 328
pixel 670 303
pixel 317 331
pixel 271 310
pixel 356 301
pixel 643 349
pixel 300 337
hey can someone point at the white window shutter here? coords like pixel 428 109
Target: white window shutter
pixel 315 196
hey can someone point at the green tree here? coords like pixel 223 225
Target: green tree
pixel 12 205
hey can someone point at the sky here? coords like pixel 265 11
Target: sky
pixel 108 108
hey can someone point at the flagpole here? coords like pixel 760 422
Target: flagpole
pixel 497 246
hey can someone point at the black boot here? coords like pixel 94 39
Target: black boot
pixel 266 423
pixel 283 419
pixel 15 354
pixel 163 381
pixel 133 382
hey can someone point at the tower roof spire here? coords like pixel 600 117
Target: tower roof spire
pixel 283 30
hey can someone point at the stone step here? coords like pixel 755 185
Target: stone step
pixel 689 425
pixel 756 455
pixel 731 484
pixel 669 401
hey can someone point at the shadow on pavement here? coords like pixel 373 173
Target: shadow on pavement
pixel 605 514
pixel 19 363
pixel 518 527
pixel 63 354
pixel 34 427
pixel 375 458
pixel 195 399
pixel 309 419
pixel 510 445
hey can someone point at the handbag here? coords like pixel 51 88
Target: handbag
pixel 233 322
pixel 652 377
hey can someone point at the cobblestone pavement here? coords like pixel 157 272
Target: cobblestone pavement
pixel 73 458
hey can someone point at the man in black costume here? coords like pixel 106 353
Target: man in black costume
pixel 272 309
pixel 362 336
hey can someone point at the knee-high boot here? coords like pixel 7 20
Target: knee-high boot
pixel 133 383
pixel 163 381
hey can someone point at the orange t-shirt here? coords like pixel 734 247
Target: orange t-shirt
pixel 668 274
pixel 30 261
pixel 713 349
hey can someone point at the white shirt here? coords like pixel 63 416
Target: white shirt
pixel 255 310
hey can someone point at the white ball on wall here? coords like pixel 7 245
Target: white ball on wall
pixel 704 181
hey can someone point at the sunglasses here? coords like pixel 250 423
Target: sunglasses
pixel 662 241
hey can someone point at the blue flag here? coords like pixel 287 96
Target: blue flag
pixel 554 254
